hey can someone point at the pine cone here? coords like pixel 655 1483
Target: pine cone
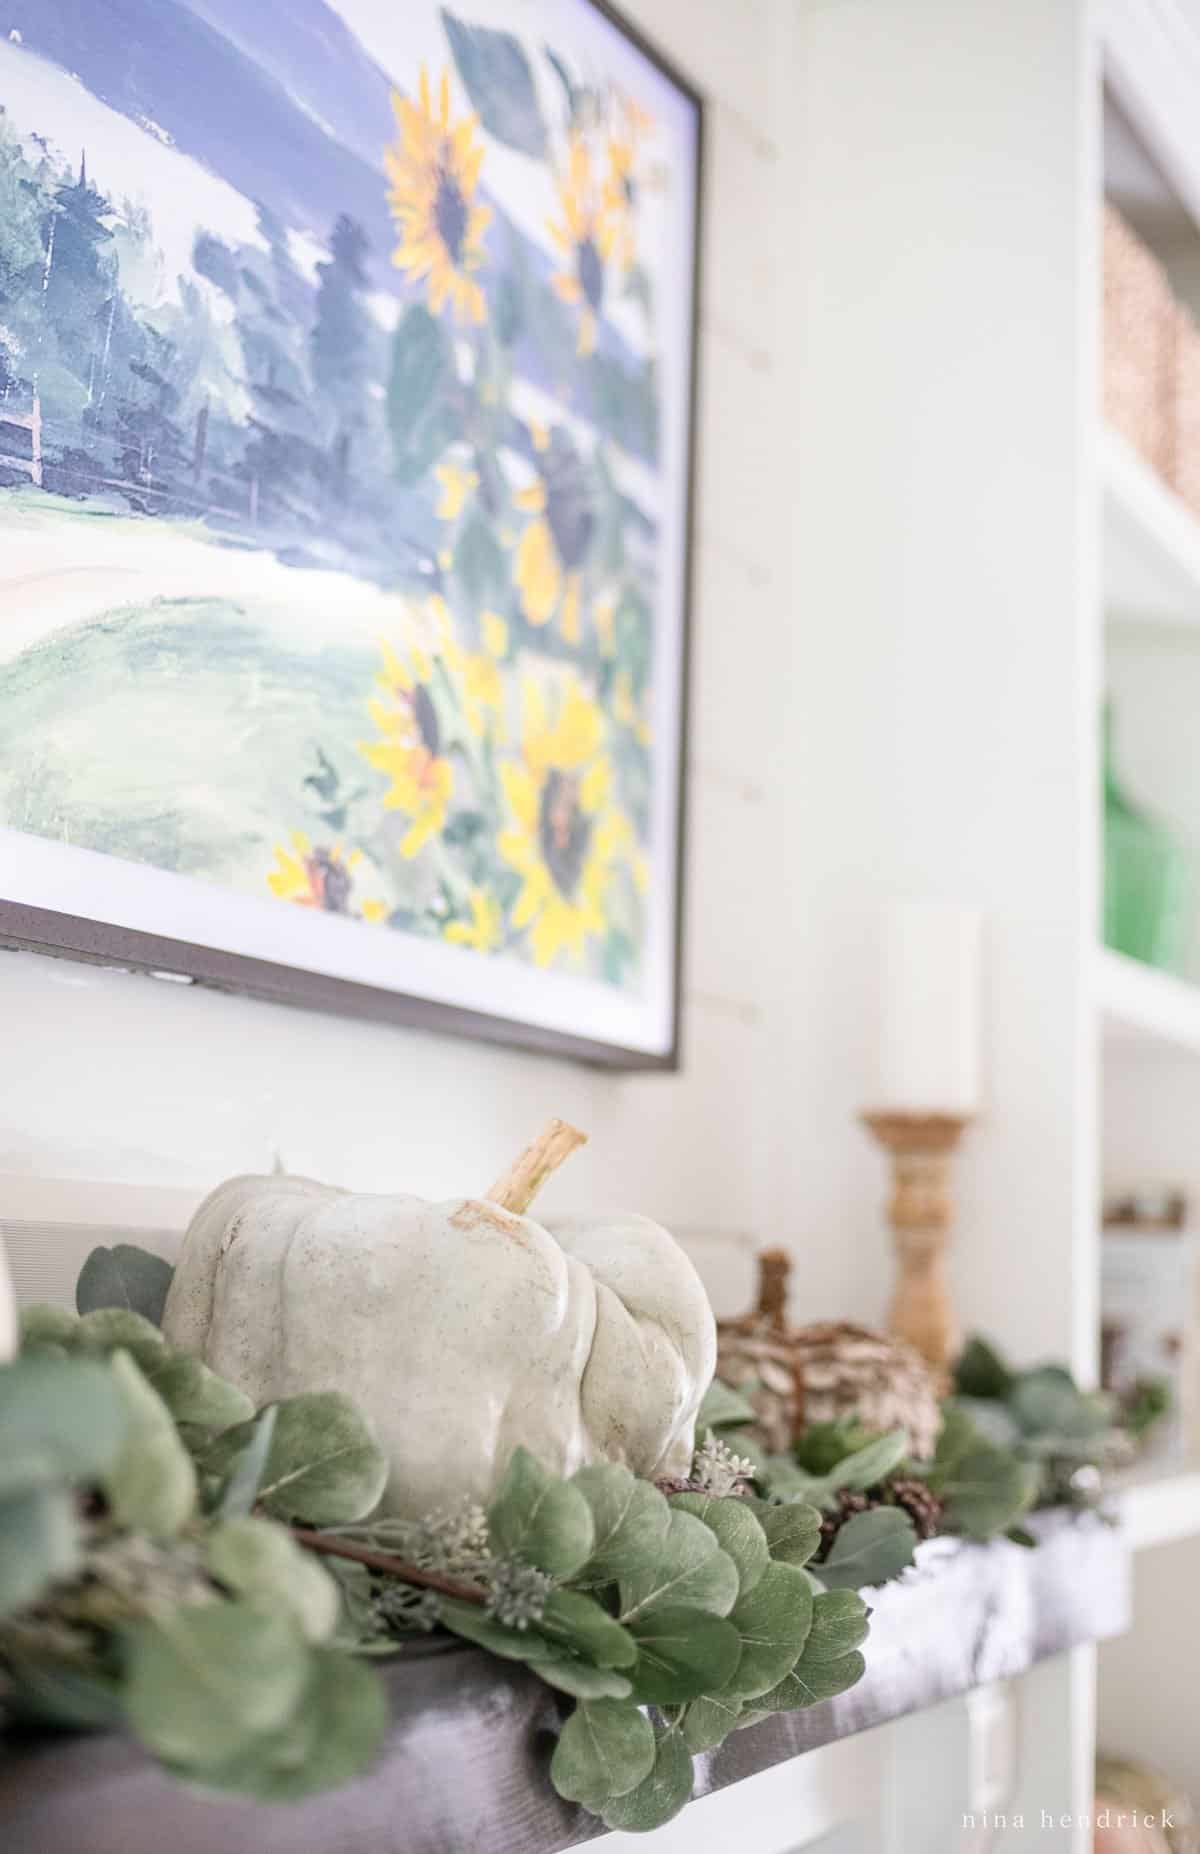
pixel 918 1501
pixel 848 1504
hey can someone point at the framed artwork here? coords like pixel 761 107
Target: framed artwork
pixel 346 385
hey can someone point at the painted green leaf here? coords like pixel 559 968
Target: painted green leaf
pixel 335 1731
pixel 588 1629
pixel 987 1491
pixel 39 1541
pixel 737 1532
pixel 722 1407
pixel 689 1569
pixel 497 78
pixel 629 1517
pixel 208 1677
pixel 480 562
pixel 812 1681
pixel 541 1520
pixel 323 1464
pixel 661 1794
pixel 66 1410
pixel 582 1680
pixel 194 1394
pixel 151 1486
pixel 419 420
pixel 681 1654
pixel 793 1532
pixel 772 1622
pixel 258 1559
pixel 124 1276
pixel 604 1751
pixel 840 1623
pixel 709 1720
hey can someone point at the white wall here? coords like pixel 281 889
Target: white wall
pixel 118 1076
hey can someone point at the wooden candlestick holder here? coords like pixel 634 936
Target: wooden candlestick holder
pixel 921 1213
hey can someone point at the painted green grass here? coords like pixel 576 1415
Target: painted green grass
pixel 177 732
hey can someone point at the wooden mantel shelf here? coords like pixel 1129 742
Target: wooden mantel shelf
pixel 464 1768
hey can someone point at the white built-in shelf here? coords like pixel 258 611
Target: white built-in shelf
pixel 1162 1509
pixel 1140 1005
pixel 1151 543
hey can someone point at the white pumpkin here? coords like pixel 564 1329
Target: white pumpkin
pixel 461 1329
pixel 8 1309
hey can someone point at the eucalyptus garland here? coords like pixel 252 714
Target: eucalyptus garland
pixel 211 1576
pixel 215 1578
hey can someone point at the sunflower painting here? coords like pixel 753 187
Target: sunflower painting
pixel 345 385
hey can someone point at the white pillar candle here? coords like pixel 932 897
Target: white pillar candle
pixel 929 1016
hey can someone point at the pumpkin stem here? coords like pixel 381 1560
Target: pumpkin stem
pixel 516 1188
pixel 774 1268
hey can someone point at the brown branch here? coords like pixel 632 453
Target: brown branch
pixel 322 1542
pixel 520 1184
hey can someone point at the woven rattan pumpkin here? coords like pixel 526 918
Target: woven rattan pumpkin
pixel 827 1372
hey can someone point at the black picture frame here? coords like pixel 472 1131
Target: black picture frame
pixel 53 933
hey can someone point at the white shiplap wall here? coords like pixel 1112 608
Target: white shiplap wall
pixel 114 1076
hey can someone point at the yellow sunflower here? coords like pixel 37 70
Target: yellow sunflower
pixel 620 194
pixel 318 878
pixel 585 234
pixel 566 837
pixel 456 485
pixel 434 173
pixel 478 682
pixel 551 553
pixel 484 931
pixel 409 747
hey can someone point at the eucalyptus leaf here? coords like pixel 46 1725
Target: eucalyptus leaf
pixel 39 1542
pixel 812 1681
pixel 690 1569
pixel 540 1520
pixel 772 1623
pixel 629 1517
pixel 206 1679
pixel 124 1276
pixel 586 1628
pixel 840 1623
pixel 604 1751
pixel 195 1395
pixel 869 1549
pixel 708 1721
pixel 582 1680
pixel 736 1529
pixel 323 1464
pixel 109 1327
pixel 45 1693
pixel 681 1654
pixel 957 1436
pixel 42 1324
pixel 151 1486
pixel 987 1491
pixel 866 1467
pixel 257 1559
pixel 243 1476
pixel 1048 1401
pixel 981 1372
pixel 477 1626
pixel 661 1794
pixel 723 1408
pixel 793 1532
pixel 65 1409
pixel 334 1732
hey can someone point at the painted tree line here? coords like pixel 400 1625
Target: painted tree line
pixel 252 403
